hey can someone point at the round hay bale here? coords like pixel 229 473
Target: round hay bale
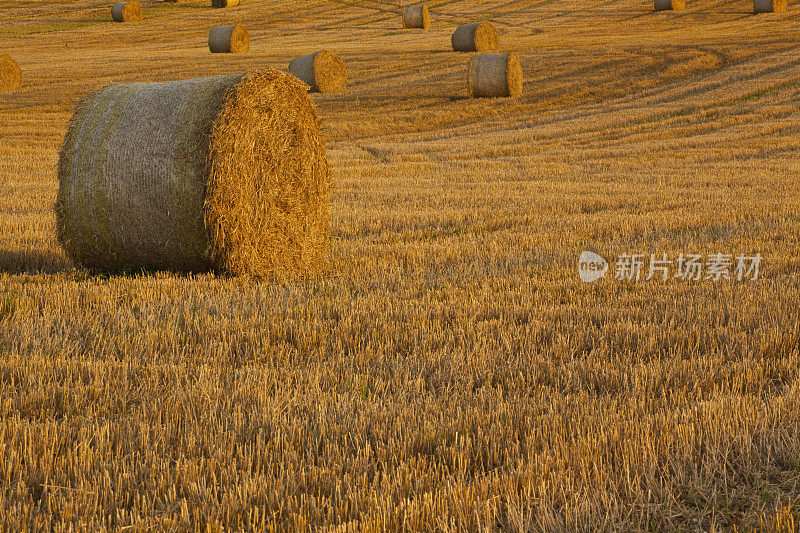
pixel 416 17
pixel 323 71
pixel 10 74
pixel 224 3
pixel 232 39
pixel 126 12
pixel 226 173
pixel 670 5
pixel 475 37
pixel 493 75
pixel 769 6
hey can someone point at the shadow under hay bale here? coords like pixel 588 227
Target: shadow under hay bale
pixel 224 3
pixel 475 37
pixel 230 39
pixel 495 75
pixel 769 6
pixel 322 71
pixel 416 17
pixel 10 74
pixel 30 261
pixel 126 12
pixel 227 173
pixel 670 5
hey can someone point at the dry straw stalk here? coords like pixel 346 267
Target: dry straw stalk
pixel 494 75
pixel 475 37
pixel 228 39
pixel 416 17
pixel 670 5
pixel 126 12
pixel 224 3
pixel 226 173
pixel 769 6
pixel 322 71
pixel 10 74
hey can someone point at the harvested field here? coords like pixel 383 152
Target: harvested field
pixel 10 74
pixel 449 369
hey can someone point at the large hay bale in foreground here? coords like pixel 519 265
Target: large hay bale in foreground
pixel 494 75
pixel 232 39
pixel 416 17
pixel 226 173
pixel 126 12
pixel 769 6
pixel 10 74
pixel 224 3
pixel 475 37
pixel 322 71
pixel 670 5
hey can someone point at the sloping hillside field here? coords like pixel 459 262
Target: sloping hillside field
pixel 573 309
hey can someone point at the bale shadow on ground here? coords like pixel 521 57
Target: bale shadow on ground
pixel 32 262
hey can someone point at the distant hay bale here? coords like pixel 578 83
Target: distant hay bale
pixel 475 37
pixel 769 6
pixel 226 173
pixel 494 75
pixel 416 17
pixel 126 12
pixel 670 5
pixel 322 71
pixel 229 39
pixel 224 3
pixel 10 74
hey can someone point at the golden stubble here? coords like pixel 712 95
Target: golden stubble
pixel 449 369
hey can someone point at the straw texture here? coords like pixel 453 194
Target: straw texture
pixel 322 71
pixel 224 3
pixel 495 75
pixel 10 74
pixel 475 37
pixel 670 5
pixel 769 6
pixel 416 17
pixel 226 173
pixel 126 12
pixel 230 39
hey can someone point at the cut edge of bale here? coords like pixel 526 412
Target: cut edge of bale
pixel 228 39
pixel 224 3
pixel 10 74
pixel 322 71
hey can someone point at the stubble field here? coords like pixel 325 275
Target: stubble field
pixel 449 370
